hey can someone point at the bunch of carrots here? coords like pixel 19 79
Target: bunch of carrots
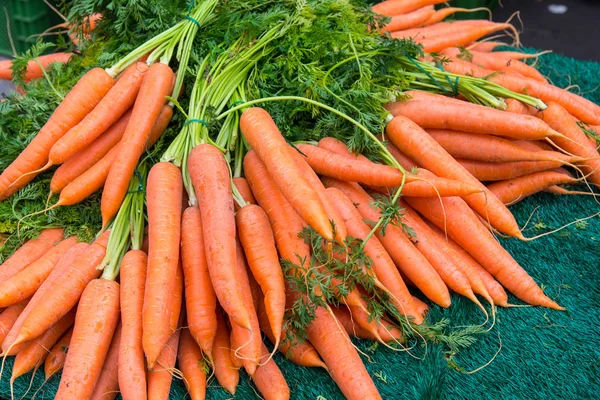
pixel 228 258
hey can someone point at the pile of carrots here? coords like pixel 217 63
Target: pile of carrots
pixel 214 274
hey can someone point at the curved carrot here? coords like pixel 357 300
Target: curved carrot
pixel 107 386
pixel 486 172
pixel 157 84
pixel 25 283
pixel 81 100
pixel 210 176
pixel 515 190
pixel 200 298
pixel 112 106
pixel 161 377
pixel 191 364
pixel 95 324
pixel 9 316
pixel 264 137
pixel 408 20
pixel 227 374
pixel 30 252
pixel 164 192
pixel 55 360
pixel 84 159
pixel 394 7
pixel 33 68
pixel 269 380
pixel 131 365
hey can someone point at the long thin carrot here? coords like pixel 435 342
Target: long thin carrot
pixel 24 284
pixel 344 364
pixel 157 84
pixel 201 301
pixel 269 380
pixel 445 12
pixel 131 363
pixel 486 172
pixel 394 7
pixel 409 20
pixel 164 192
pixel 114 104
pixel 462 37
pixel 95 324
pixel 82 99
pixel 463 226
pixel 227 375
pixel 417 144
pixel 107 386
pixel 210 176
pixel 176 298
pixel 345 319
pixel 33 68
pixel 191 363
pixel 515 190
pixel 241 184
pixel 485 46
pixel 9 316
pixel 30 252
pixel 84 159
pixel 264 137
pixel 55 360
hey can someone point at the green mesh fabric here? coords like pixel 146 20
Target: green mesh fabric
pixel 545 354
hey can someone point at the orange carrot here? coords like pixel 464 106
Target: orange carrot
pixel 114 104
pixel 485 171
pixel 515 106
pixel 84 159
pixel 485 47
pixel 107 386
pixel 415 142
pixel 394 7
pixel 176 298
pixel 515 190
pixel 210 176
pixel 9 316
pixel 55 360
pixel 408 20
pixel 344 317
pixel 463 226
pixel 95 323
pixel 81 100
pixel 25 283
pixel 420 307
pixel 227 375
pixel 258 244
pixel 269 380
pixel 34 71
pixel 264 137
pixel 241 185
pixel 30 252
pixel 191 364
pixel 462 37
pixel 164 192
pixel 201 301
pixel 343 362
pixel 131 366
pixel 445 12
pixel 157 84
pixel 161 377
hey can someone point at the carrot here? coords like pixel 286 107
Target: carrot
pixel 576 143
pixel 514 190
pixel 264 137
pixel 82 99
pixel 404 254
pixel 472 118
pixel 258 244
pixel 55 360
pixel 200 296
pixel 157 84
pixel 472 146
pixel 95 324
pixel 131 363
pixel 462 37
pixel 107 386
pixel 108 111
pixel 515 106
pixel 241 185
pixel 420 307
pixel 94 178
pixel 393 7
pixel 485 47
pixel 176 298
pixel 227 375
pixel 191 363
pixel 436 30
pixel 9 316
pixel 415 142
pixel 84 159
pixel 445 12
pixel 344 317
pixel 164 192
pixel 533 145
pixel 463 226
pixel 408 20
pixel 161 377
pixel 210 176
pixel 30 252
pixel 67 285
pixel 501 171
pixel 269 380
pixel 25 283
pixel 343 362
pixel 34 71
pixel 420 95
pixel 237 361
pixel 34 354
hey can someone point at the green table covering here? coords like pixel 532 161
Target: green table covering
pixel 544 354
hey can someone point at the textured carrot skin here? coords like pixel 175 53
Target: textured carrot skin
pixel 57 355
pixel 84 159
pixel 132 364
pixel 164 193
pixel 269 380
pixel 81 100
pixel 161 377
pixel 227 374
pixel 210 176
pixel 30 252
pixel 515 190
pixel 107 386
pixel 343 362
pixel 200 298
pixel 95 323
pixel 264 137
pixel 112 106
pixel 191 364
